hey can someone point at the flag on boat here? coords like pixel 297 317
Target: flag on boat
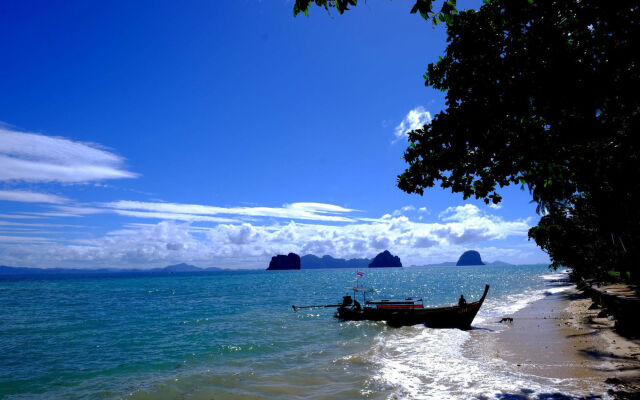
pixel 359 274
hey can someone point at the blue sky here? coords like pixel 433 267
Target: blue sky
pixel 137 134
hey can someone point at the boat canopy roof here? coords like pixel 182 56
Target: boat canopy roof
pixel 360 289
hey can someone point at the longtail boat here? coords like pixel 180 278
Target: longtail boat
pixel 405 312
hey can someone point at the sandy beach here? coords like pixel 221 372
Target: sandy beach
pixel 559 339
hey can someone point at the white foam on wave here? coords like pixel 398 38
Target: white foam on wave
pixel 512 303
pixel 506 305
pixel 423 363
pixel 562 274
pixel 553 277
pixel 559 289
pixel 557 283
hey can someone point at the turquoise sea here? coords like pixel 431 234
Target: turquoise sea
pixel 234 335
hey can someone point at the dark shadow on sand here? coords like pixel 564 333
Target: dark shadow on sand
pixel 528 394
pixel 475 328
pixel 575 296
pixel 592 333
pixel 605 356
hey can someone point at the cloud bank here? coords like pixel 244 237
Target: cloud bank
pixel 251 244
pixel 207 235
pixel 32 157
pixel 31 197
pixel 196 212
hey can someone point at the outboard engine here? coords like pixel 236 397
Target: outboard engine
pixel 346 301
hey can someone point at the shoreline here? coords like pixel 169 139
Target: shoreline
pixel 560 343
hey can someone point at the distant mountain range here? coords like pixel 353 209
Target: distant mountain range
pixel 468 258
pixel 442 264
pixel 309 261
pixel 453 264
pixel 498 262
pixel 187 268
pixel 382 260
pixel 177 268
pixel 314 262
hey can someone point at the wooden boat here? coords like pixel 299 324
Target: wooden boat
pixel 407 312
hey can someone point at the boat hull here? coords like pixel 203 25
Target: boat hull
pixel 459 317
pixel 449 317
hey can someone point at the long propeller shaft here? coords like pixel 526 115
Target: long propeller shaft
pixel 296 308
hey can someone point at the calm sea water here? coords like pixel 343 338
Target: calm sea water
pixel 234 336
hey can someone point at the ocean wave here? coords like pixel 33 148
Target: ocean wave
pixel 424 363
pixel 507 305
pixel 511 303
pixel 562 274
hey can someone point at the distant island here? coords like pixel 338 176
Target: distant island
pixel 498 262
pixel 314 262
pixel 282 262
pixel 442 264
pixel 290 261
pixel 386 260
pixel 470 257
pixel 310 261
pixel 187 268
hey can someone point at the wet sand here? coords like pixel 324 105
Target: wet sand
pixel 559 339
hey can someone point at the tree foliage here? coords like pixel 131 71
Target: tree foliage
pixel 571 236
pixel 537 93
pixel 542 94
pixel 423 7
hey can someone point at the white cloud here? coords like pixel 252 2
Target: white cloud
pixel 415 119
pixel 30 197
pixel 24 239
pixel 401 211
pixel 173 216
pixel 175 246
pixel 9 223
pixel 243 234
pixel 495 206
pixel 459 213
pixel 425 241
pixel 33 157
pixel 189 212
pixel 18 216
pixel 380 242
pixel 251 245
pixel 184 212
pixel 468 234
pixel 69 211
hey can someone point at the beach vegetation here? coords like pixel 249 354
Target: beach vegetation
pixel 544 95
pixel 617 275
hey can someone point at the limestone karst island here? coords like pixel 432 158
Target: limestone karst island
pixel 292 261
